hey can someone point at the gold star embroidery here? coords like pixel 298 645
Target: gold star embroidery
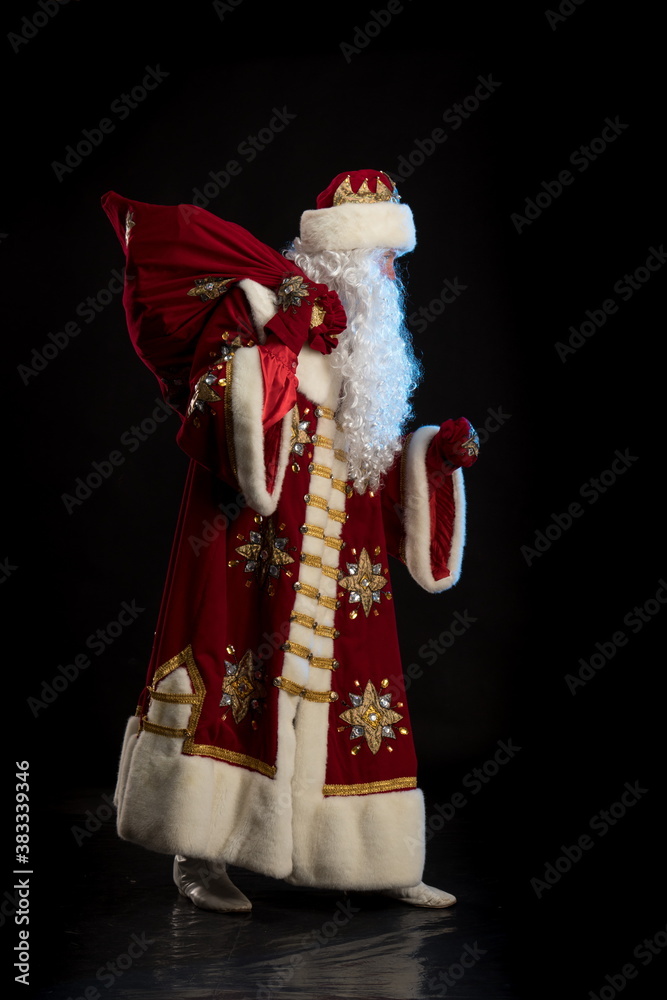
pixel 265 553
pixel 210 288
pixel 371 717
pixel 364 582
pixel 204 392
pixel 300 437
pixel 242 686
pixel 129 223
pixel 472 444
pixel 292 289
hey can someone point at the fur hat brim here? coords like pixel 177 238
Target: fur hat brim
pixel 355 226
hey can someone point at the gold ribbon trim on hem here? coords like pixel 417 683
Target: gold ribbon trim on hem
pixel 186 659
pixel 371 787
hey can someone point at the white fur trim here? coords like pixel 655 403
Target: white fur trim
pixel 418 519
pixel 247 391
pixel 316 378
pixel 263 305
pixel 355 226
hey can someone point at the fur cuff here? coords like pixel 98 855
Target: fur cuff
pixel 418 518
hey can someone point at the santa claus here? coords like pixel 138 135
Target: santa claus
pixel 273 732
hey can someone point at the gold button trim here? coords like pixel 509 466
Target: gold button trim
pixel 304 620
pixel 323 662
pixel 291 688
pixel 328 602
pixel 331 571
pixel 338 515
pixel 313 530
pixel 314 501
pixel 326 630
pixel 320 470
pixel 315 561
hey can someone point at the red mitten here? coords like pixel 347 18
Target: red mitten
pixel 456 445
pixel 327 322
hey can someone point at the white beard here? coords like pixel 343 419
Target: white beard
pixel 374 357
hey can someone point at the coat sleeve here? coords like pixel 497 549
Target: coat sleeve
pixel 423 504
pixel 238 422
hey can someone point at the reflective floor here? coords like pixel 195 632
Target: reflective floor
pixel 121 929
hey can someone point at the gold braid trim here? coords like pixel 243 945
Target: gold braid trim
pixel 340 485
pixel 320 470
pixel 326 630
pixel 328 602
pixel 177 699
pixel 229 421
pixel 340 454
pixel 291 688
pixel 307 591
pixel 325 411
pixel 371 787
pixel 297 649
pixel 231 756
pixel 151 727
pixel 331 571
pixel 338 515
pixel 333 543
pixel 322 442
pixel 315 561
pixel 312 500
pixel 313 530
pixel 304 620
pixel 324 663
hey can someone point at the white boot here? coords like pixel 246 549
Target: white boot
pixel 422 895
pixel 207 885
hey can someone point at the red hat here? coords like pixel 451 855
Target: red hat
pixel 359 210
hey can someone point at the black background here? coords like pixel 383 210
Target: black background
pixel 491 351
